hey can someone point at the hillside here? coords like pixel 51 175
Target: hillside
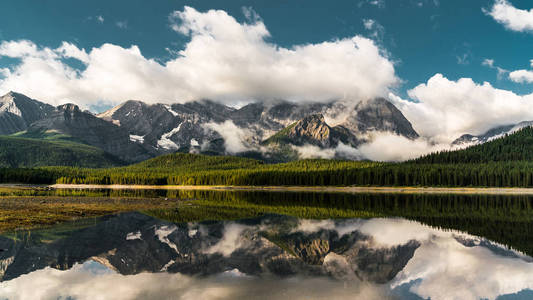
pixel 517 146
pixel 183 162
pixel 504 162
pixel 17 152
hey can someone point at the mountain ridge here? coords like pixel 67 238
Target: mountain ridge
pixel 135 130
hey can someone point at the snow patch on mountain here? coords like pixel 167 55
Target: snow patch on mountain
pixel 10 107
pixel 137 138
pixel 162 234
pixel 165 142
pixel 133 236
pixel 170 110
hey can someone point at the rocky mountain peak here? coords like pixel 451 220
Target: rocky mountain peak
pixel 313 126
pixel 68 107
pixel 380 115
pixel 313 130
pixel 17 112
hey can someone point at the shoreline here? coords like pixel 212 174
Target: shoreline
pixel 348 189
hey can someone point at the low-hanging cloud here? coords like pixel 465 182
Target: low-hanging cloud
pixel 388 146
pixel 511 17
pixel 235 138
pixel 382 146
pixel 224 60
pixel 444 109
pixel 80 283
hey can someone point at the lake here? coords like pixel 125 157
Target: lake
pixel 278 245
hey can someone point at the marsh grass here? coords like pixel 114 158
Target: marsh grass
pixel 28 212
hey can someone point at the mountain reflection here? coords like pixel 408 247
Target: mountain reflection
pixel 135 256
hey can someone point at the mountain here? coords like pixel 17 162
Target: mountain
pixel 313 130
pixel 469 139
pixel 517 146
pixel 17 152
pixel 133 243
pixel 17 112
pixel 134 131
pixel 204 126
pixel 82 126
pixel 380 115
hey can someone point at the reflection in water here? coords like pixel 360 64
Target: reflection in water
pixel 135 256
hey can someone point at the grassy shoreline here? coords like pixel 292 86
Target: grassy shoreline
pixel 25 212
pixel 329 189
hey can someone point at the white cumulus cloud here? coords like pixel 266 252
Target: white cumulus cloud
pixel 511 17
pixel 444 109
pixel 224 60
pixel 521 76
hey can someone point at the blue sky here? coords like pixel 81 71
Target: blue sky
pixel 431 58
pixel 451 37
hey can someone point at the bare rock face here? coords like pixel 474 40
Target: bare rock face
pixel 135 130
pixel 132 243
pixel 310 130
pixel 17 112
pixel 187 127
pixel 379 115
pixel 68 119
pixel 313 130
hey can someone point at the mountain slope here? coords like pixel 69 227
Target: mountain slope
pixel 517 146
pixel 17 112
pixel 379 115
pixel 68 119
pixel 312 130
pixel 202 126
pixel 469 139
pixel 17 152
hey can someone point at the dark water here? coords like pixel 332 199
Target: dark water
pixel 412 247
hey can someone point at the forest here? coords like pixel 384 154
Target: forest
pixel 503 162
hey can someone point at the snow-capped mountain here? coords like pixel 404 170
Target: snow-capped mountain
pixel 494 133
pixel 206 126
pixel 134 130
pixel 17 112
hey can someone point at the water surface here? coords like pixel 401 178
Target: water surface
pixel 402 247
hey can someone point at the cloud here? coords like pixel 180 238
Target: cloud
pixel 100 19
pixel 234 136
pixel 232 240
pixel 442 267
pixel 379 148
pixel 122 24
pixel 521 76
pixel 443 109
pixel 461 272
pixel 490 63
pixel 511 17
pixel 224 60
pixel 377 3
pixel 310 226
pixel 377 31
pixel 80 283
pixel 311 151
pixel 463 59
pixel 68 50
pixel 25 49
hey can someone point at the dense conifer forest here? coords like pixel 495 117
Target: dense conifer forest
pixel 503 162
pixel 23 152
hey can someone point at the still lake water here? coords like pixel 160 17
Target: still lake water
pixel 409 247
